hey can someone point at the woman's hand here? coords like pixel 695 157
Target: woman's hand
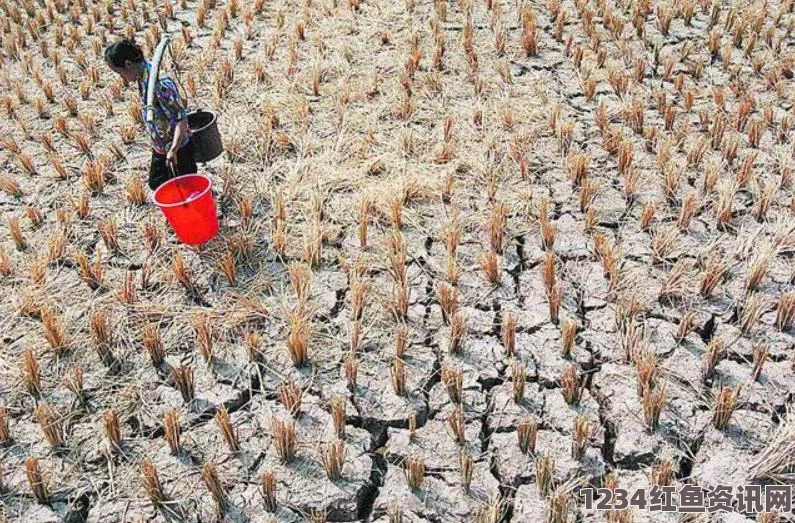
pixel 171 156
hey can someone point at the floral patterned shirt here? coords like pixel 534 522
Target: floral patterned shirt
pixel 168 111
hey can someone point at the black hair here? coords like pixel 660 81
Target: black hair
pixel 119 53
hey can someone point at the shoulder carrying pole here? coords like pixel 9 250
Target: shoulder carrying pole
pixel 153 76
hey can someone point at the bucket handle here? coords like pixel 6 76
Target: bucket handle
pixel 179 188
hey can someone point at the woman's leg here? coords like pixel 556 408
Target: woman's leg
pixel 159 172
pixel 186 161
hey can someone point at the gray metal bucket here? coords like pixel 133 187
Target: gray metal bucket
pixel 206 138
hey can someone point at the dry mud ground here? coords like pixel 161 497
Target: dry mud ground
pixel 479 222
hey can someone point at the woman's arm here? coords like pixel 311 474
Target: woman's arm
pixel 169 99
pixel 180 130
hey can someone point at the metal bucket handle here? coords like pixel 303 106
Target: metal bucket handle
pixel 201 110
pixel 174 174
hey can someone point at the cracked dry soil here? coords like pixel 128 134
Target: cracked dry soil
pixel 567 225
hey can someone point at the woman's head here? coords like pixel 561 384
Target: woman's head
pixel 125 58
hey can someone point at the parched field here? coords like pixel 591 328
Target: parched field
pixel 474 256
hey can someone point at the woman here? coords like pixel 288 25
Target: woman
pixel 169 131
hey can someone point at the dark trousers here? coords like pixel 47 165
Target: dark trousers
pixel 160 172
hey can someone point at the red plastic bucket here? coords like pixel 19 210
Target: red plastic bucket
pixel 189 206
